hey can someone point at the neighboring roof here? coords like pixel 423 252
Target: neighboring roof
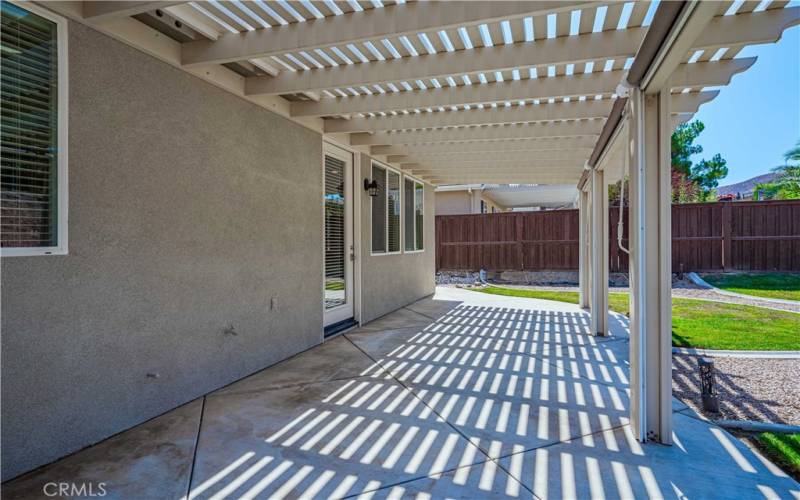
pixel 747 187
pixel 546 195
pixel 523 195
pixel 451 92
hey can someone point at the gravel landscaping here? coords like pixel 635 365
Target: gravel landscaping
pixel 764 390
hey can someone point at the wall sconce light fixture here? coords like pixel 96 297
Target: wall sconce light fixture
pixel 371 187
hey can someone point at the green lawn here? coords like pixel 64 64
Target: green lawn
pixel 775 286
pixel 334 285
pixel 783 449
pixel 702 323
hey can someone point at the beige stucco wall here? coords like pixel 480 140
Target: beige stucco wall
pixel 393 281
pixel 453 202
pixel 464 202
pixel 189 210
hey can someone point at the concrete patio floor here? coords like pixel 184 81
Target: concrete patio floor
pixel 462 395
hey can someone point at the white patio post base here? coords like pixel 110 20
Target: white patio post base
pixel 650 266
pixel 599 253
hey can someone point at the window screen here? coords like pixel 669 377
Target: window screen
pixel 379 211
pixel 419 214
pixel 393 210
pixel 414 223
pixel 29 167
pixel 408 207
pixel 386 210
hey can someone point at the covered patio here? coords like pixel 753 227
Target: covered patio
pixel 250 178
pixel 460 395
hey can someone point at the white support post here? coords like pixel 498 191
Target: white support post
pixel 599 254
pixel 650 266
pixel 583 249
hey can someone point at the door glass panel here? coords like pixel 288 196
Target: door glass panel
pixel 335 251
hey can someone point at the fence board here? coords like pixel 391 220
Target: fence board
pixel 746 236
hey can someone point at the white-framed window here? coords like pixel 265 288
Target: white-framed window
pixel 414 215
pixel 386 211
pixel 33 172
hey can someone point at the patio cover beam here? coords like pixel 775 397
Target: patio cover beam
pixel 617 44
pixel 573 110
pixel 503 165
pixel 747 29
pixel 584 143
pixel 489 178
pixel 708 74
pixel 691 22
pixel 371 24
pixel 537 88
pixel 701 74
pixel 723 31
pixel 489 132
pixel 490 156
pixel 533 175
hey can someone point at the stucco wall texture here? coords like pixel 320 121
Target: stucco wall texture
pixel 189 211
pixel 393 281
pixel 453 203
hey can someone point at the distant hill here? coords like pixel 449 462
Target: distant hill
pixel 745 187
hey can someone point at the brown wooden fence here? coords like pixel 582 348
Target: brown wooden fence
pixel 762 236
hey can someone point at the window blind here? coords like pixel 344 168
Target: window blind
pixel 29 142
pixel 419 214
pixel 335 251
pixel 408 207
pixel 393 210
pixel 379 211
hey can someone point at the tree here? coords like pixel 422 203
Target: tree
pixel 683 146
pixel 683 190
pixel 691 183
pixel 706 175
pixel 793 154
pixel 614 191
pixel 786 185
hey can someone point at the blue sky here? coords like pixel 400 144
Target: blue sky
pixel 756 118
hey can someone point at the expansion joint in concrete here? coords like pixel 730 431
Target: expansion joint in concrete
pixel 196 446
